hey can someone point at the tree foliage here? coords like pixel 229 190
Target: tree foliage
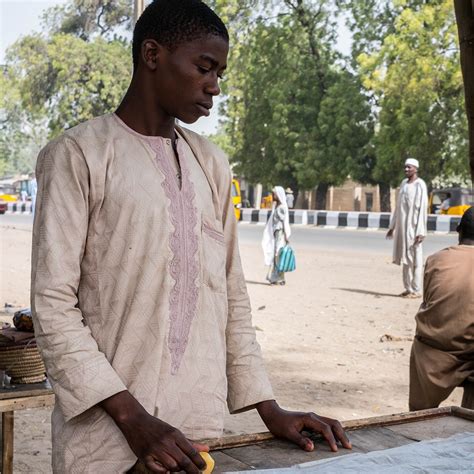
pixel 293 115
pixel 406 53
pixel 296 112
pixel 88 18
pixel 416 79
pixel 75 70
pixel 67 80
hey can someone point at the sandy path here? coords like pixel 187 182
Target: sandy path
pixel 320 335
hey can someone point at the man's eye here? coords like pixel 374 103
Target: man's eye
pixel 203 70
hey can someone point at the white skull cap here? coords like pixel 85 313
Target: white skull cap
pixel 412 162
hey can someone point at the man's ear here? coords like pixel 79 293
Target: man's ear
pixel 151 52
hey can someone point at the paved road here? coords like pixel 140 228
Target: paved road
pixel 364 241
pixel 21 221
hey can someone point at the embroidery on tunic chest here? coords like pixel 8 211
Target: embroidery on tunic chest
pixel 184 245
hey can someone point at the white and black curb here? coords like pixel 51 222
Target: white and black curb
pixel 354 220
pixel 20 207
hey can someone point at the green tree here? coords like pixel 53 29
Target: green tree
pixel 416 79
pixel 21 136
pixel 68 80
pixel 88 18
pixel 285 95
pixel 77 69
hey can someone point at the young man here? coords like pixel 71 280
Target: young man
pixel 140 305
pixel 442 355
pixel 408 226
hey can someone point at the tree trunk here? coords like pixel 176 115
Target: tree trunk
pixel 301 200
pixel 465 19
pixel 321 194
pixel 385 205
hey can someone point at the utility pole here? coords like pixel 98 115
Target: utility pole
pixel 138 7
pixel 465 20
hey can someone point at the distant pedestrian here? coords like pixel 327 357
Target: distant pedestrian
pixel 408 227
pixel 34 189
pixel 446 204
pixel 442 351
pixel 23 195
pixel 276 235
pixel 290 198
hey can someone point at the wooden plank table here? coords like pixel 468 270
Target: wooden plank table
pixel 19 397
pixel 263 451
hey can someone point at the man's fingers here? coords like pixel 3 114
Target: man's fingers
pixel 191 460
pixel 200 447
pixel 319 426
pixel 154 466
pixel 339 433
pixel 302 441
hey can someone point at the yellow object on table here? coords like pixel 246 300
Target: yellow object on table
pixel 209 462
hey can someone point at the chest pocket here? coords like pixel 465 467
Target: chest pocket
pixel 213 255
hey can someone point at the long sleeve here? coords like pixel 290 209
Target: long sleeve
pixel 80 374
pixel 248 382
pixel 421 225
pixel 394 217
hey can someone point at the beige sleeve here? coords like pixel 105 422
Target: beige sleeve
pixel 247 378
pixel 80 374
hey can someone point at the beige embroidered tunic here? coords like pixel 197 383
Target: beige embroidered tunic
pixel 137 284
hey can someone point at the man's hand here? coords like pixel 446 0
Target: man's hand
pixel 419 239
pixel 158 445
pixel 289 425
pixel 389 234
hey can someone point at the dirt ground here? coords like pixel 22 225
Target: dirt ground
pixel 320 334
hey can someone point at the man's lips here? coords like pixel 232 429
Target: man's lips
pixel 205 107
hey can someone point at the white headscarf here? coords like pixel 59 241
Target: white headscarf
pixel 268 240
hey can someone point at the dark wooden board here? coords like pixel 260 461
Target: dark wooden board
pixel 435 428
pixel 375 439
pixel 276 454
pixel 25 390
pixel 225 462
pixel 273 453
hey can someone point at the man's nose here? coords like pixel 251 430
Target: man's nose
pixel 212 87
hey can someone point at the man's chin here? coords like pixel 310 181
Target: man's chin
pixel 189 119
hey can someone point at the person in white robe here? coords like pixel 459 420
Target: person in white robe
pixel 408 228
pixel 276 235
pixel 290 198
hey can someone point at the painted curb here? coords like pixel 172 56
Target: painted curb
pixel 20 207
pixel 353 220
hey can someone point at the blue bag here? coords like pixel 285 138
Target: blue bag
pixel 286 260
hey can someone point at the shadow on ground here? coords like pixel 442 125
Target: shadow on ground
pixel 367 292
pixel 251 282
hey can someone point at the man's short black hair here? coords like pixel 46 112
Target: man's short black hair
pixel 466 226
pixel 172 22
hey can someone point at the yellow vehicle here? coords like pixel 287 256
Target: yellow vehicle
pixel 8 193
pixel 267 201
pixel 236 198
pixel 451 201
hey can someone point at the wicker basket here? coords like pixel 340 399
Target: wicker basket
pixel 22 362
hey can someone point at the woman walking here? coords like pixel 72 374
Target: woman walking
pixel 276 235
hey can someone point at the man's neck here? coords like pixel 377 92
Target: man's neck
pixel 413 178
pixel 141 114
pixel 466 242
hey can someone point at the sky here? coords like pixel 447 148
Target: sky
pixel 21 17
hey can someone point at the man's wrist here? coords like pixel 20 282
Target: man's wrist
pixel 122 408
pixel 266 409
